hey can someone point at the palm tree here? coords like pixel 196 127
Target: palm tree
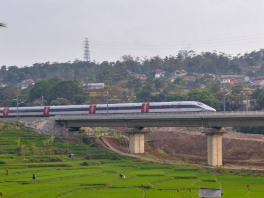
pixel 18 142
pixel 45 143
pixel 33 147
pixel 52 139
pixel 22 148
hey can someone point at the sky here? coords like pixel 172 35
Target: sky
pixel 54 30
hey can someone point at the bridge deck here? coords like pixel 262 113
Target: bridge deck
pixel 191 119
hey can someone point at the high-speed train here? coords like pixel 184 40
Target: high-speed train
pixel 152 107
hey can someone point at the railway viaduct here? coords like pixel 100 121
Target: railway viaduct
pixel 213 123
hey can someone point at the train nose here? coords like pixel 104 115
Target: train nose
pixel 212 109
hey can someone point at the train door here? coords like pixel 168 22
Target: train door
pixel 5 113
pixel 94 109
pixel 147 108
pixel 44 111
pixel 48 111
pixel 90 109
pixel 143 107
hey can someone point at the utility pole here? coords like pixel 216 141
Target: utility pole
pixel 42 101
pixel 107 102
pixel 224 97
pixel 67 142
pixel 86 54
pixel 247 97
pixel 17 107
pixel 132 96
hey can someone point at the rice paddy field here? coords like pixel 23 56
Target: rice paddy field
pixel 95 173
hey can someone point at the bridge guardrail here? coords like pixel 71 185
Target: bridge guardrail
pixel 165 115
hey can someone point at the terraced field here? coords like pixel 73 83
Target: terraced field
pixel 98 174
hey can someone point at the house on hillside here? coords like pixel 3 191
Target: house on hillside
pixel 24 84
pixel 257 83
pixel 95 86
pixel 157 73
pixel 231 77
pixel 225 80
pixel 27 82
pixel 259 78
pixel 178 73
pixel 238 81
pixel 142 77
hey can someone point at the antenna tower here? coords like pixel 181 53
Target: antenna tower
pixel 86 55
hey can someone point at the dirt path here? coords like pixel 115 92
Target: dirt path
pixel 103 139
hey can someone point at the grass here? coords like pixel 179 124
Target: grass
pixel 60 176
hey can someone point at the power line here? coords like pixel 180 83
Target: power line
pixel 86 55
pixel 189 45
pixel 220 39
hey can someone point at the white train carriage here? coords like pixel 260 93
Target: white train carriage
pixel 153 107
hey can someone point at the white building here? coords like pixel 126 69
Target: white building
pixel 157 73
pixel 95 86
pixel 178 73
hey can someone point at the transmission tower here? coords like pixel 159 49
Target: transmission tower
pixel 86 55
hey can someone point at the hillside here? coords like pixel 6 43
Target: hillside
pixel 189 144
pixel 95 173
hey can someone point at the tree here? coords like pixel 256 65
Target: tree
pixel 260 101
pixel 44 74
pixel 69 90
pixel 158 98
pixel 47 142
pixel 179 81
pixel 236 89
pixel 170 86
pixel 205 96
pixel 159 83
pixel 60 101
pixel 250 73
pixel 175 97
pixel 256 93
pixel 150 80
pixel 41 88
pixel 52 139
pixel 215 87
pixel 144 96
pixel 101 77
pixel 18 142
pixel 134 83
pixel 235 69
pixel 44 143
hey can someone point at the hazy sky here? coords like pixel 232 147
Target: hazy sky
pixel 54 30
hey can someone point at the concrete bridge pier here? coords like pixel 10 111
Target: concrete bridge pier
pixel 136 139
pixel 214 145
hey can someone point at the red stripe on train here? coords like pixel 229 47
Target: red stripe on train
pixel 147 109
pixel 142 107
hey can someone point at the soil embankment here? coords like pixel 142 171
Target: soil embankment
pixel 179 143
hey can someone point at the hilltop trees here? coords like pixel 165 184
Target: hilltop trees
pixel 55 88
pixel 205 96
pixel 112 72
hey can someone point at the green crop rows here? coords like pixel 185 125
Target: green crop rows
pixel 98 174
